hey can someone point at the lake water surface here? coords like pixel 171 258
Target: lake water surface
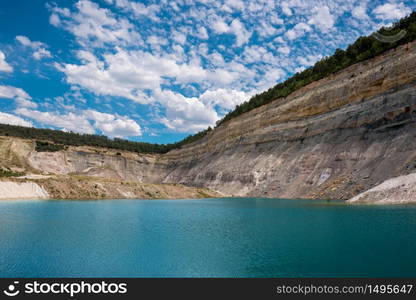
pixel 205 238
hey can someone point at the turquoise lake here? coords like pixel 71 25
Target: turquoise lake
pixel 241 237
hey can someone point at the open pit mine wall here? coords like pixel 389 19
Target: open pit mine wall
pixel 333 138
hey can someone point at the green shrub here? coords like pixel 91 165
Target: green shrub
pixel 48 147
pixel 8 173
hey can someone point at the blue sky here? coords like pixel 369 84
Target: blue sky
pixel 157 71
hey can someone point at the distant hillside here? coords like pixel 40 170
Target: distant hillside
pixel 60 139
pixel 363 48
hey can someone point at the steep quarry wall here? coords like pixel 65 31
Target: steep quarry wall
pixel 97 162
pixel 334 138
pixel 331 139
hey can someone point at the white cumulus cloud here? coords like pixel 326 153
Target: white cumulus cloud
pixel 322 18
pixel 21 98
pixel 130 73
pixel 4 66
pixel 391 11
pixel 223 98
pixel 39 48
pixel 298 31
pixel 69 122
pixel 95 26
pixel 10 119
pixel 236 27
pixel 138 9
pixel 185 114
pixel 87 121
pixel 360 12
pixel 113 126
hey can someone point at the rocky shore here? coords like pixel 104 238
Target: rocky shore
pixel 399 190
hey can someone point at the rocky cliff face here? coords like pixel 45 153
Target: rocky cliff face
pixel 333 138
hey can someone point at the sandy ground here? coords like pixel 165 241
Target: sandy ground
pixel 21 190
pixel 85 187
pixel 34 176
pixel 399 190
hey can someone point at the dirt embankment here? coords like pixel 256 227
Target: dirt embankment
pixel 84 187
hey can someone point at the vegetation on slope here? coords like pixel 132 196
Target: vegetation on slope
pixel 60 138
pixel 8 173
pixel 48 140
pixel 48 147
pixel 362 49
